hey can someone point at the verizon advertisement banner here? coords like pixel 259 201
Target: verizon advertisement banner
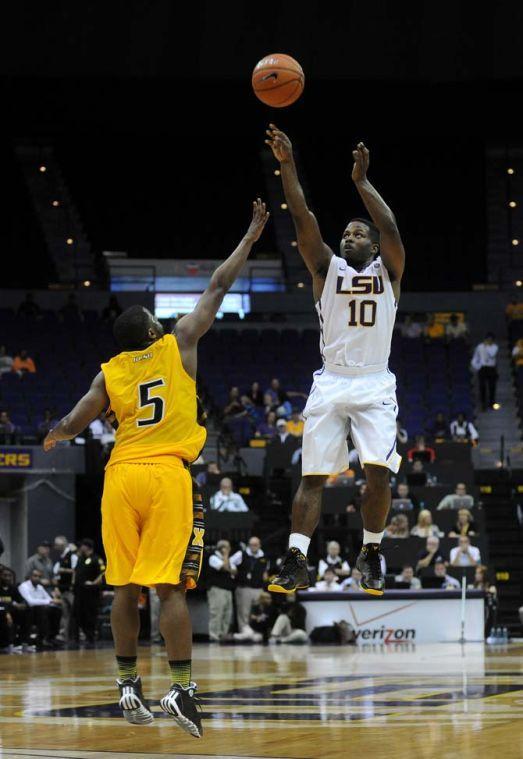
pixel 420 617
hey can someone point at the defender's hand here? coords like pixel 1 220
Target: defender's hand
pixel 49 441
pixel 279 143
pixel 361 163
pixel 259 220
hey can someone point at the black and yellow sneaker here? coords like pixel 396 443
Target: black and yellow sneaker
pixel 293 573
pixel 368 563
pixel 182 705
pixel 132 703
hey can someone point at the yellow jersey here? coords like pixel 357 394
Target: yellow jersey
pixel 154 400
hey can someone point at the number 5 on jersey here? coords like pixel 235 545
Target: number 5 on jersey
pixel 146 397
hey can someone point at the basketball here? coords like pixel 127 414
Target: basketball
pixel 278 80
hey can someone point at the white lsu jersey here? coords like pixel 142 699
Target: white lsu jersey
pixel 357 311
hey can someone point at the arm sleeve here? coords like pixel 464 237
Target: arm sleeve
pixel 236 559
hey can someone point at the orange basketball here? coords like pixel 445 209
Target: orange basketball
pixel 278 80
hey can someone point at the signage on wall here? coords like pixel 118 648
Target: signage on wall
pixel 19 458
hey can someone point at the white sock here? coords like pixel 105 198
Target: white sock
pixel 372 537
pixel 297 540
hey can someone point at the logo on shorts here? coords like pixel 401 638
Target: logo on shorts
pixel 198 536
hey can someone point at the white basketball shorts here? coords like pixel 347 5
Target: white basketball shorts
pixel 364 405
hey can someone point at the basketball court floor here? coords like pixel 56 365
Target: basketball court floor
pixel 401 701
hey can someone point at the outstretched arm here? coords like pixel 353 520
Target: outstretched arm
pixel 391 247
pixel 192 326
pixel 87 409
pixel 313 249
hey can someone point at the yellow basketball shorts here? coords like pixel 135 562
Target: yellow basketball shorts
pixel 147 522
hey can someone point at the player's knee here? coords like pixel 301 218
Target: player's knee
pixel 166 591
pixel 312 483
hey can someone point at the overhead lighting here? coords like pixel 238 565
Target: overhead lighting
pixel 515 241
pixel 518 283
pixel 69 241
pixel 300 284
pixel 42 168
pixel 87 283
pixel 277 172
pixel 294 244
pixel 510 171
pixel 283 206
pixel 55 203
pixel 496 406
pixel 512 204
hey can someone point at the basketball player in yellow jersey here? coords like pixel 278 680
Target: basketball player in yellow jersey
pixel 147 511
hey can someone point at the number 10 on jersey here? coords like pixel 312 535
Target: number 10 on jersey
pixel 362 313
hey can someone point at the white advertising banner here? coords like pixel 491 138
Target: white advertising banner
pixel 391 620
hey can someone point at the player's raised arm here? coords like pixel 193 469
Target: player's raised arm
pixel 391 247
pixel 88 408
pixel 314 251
pixel 192 326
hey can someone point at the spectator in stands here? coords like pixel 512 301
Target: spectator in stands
pixel 267 429
pixel 434 330
pixel 63 570
pixel 284 440
pixel 517 353
pixel 418 477
pixel 407 575
pixel 439 429
pixel 482 582
pixel 220 584
pixel 234 405
pixel 402 436
pixel 484 362
pixel 425 527
pixel 88 576
pixel 23 363
pixel 43 611
pixel 269 403
pixel 461 430
pixel 464 554
pixel 427 557
pixel 290 624
pixel 251 565
pixel 6 361
pixel 8 430
pixel 398 527
pixel 255 395
pixel 405 500
pixel 333 560
pixel 352 583
pixel 227 454
pixel 226 499
pixel 421 452
pixel 70 311
pixel 212 471
pixel 411 327
pixel 47 423
pixel 13 611
pixel 295 424
pixel 459 499
pixel 28 308
pixel 263 615
pixel 42 562
pixel 456 328
pixel 329 583
pixel 448 582
pixel 514 310
pixel 464 525
pixel 101 429
pixel 112 310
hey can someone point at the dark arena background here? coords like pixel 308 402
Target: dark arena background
pixel 132 147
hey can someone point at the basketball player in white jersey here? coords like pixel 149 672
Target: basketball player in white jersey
pixel 356 296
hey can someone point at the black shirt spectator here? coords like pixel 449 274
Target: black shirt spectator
pixel 439 427
pixel 70 311
pixel 28 308
pixel 8 430
pixel 255 394
pixel 47 424
pixel 113 309
pixel 88 577
pixel 234 406
pixel 403 493
pixel 429 555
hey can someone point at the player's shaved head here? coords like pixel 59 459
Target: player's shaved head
pixel 136 328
